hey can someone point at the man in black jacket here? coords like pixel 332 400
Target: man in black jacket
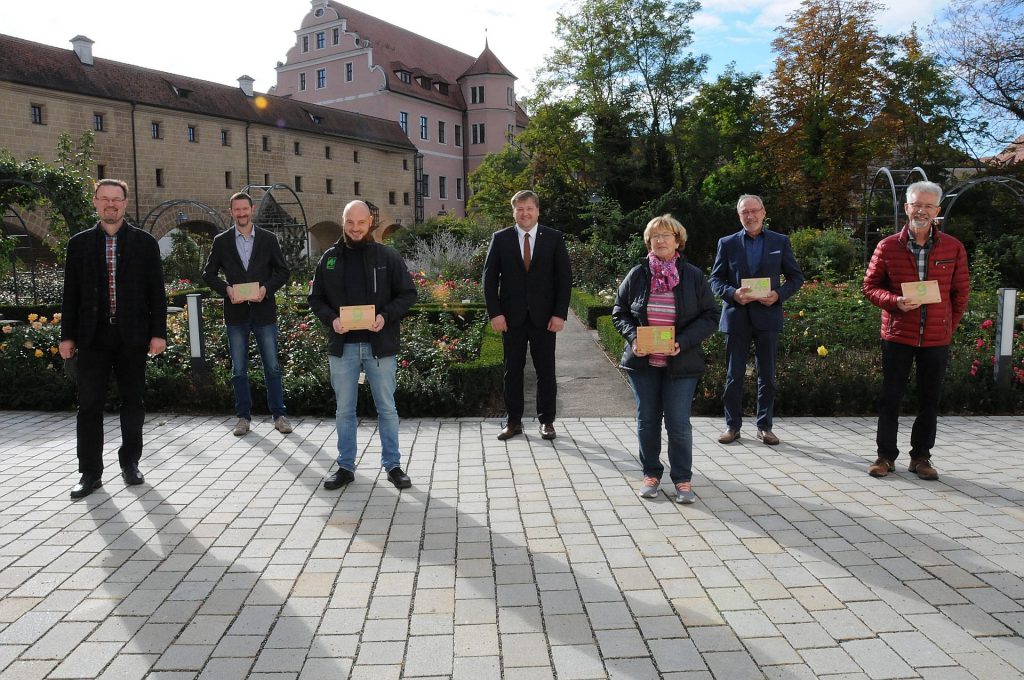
pixel 359 271
pixel 247 254
pixel 527 281
pixel 113 315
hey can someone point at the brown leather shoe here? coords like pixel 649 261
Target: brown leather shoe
pixel 510 430
pixel 881 467
pixel 728 437
pixel 547 431
pixel 768 437
pixel 922 467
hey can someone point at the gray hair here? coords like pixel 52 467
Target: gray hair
pixel 748 197
pixel 924 188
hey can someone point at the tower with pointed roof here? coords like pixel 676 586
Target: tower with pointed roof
pixel 455 108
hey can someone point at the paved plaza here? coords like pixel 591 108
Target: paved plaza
pixel 525 559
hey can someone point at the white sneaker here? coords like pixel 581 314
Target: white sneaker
pixel 282 425
pixel 650 487
pixel 241 427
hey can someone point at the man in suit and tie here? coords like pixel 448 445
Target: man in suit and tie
pixel 752 312
pixel 527 280
pixel 247 254
pixel 114 314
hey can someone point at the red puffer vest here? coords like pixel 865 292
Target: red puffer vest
pixel 893 264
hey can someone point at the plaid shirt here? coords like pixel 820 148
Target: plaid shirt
pixel 111 251
pixel 920 254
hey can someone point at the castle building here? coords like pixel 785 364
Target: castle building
pixel 454 108
pixel 189 143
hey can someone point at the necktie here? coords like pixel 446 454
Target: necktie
pixel 526 251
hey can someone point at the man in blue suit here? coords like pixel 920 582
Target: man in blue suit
pixel 749 314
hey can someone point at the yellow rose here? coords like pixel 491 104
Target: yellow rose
pixel 53 350
pixel 822 351
pixel 3 346
pixel 39 354
pixel 801 312
pixel 38 325
pixel 56 318
pixel 42 319
pixel 28 344
pixel 33 317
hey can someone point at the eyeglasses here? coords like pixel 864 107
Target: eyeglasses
pixel 746 213
pixel 923 206
pixel 663 237
pixel 104 199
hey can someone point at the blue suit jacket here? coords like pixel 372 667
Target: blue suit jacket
pixel 731 266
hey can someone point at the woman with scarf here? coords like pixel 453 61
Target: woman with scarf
pixel 665 290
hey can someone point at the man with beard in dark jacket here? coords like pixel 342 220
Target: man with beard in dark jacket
pixel 914 332
pixel 359 271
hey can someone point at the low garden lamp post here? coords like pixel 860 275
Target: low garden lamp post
pixel 1006 316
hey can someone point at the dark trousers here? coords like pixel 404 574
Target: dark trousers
pixel 737 349
pixel 95 363
pixel 931 369
pixel 542 349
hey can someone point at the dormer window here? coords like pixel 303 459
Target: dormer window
pixel 442 88
pixel 316 121
pixel 423 82
pixel 404 76
pixel 181 91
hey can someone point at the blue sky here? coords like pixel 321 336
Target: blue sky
pixel 220 41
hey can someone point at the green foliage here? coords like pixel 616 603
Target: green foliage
pixel 609 337
pixel 1000 262
pixel 829 254
pixel 598 265
pixel 189 251
pixel 589 307
pixel 705 221
pixel 66 188
pixel 498 177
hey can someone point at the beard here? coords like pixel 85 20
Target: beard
pixel 920 222
pixel 361 243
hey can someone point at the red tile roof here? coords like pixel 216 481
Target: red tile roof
pixel 487 64
pixel 38 65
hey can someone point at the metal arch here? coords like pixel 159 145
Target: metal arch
pixel 1015 186
pixel 906 176
pixel 46 193
pixel 290 225
pixel 158 212
pixel 10 213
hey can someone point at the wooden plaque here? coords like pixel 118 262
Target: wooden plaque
pixel 357 317
pixel 922 292
pixel 759 288
pixel 246 291
pixel 656 339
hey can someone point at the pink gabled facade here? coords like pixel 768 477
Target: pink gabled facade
pixel 455 108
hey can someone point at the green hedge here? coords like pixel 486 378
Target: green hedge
pixel 588 307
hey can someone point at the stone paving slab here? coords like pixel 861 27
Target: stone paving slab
pixel 519 559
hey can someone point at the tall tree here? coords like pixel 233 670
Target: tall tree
pixel 982 41
pixel 823 95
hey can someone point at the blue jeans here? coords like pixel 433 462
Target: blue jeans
pixel 380 373
pixel 660 396
pixel 266 342
pixel 737 349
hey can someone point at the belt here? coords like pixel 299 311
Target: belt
pixel 112 320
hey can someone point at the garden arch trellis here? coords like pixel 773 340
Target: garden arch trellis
pixel 1015 187
pixel 180 206
pixel 888 184
pixel 279 209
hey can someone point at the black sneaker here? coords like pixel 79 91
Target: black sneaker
pixel 399 478
pixel 340 478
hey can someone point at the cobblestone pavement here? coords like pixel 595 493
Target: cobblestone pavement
pixel 526 559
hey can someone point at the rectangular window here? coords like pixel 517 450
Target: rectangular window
pixel 458 135
pixel 403 121
pixel 227 180
pixel 266 143
pixel 510 133
pixel 321 78
pixel 348 72
pixel 298 183
pixel 302 82
pixel 405 198
pixel 478 133
pixel 305 43
pixel 298 149
pixel 192 134
pixel 330 185
pixel 37 114
pixel 405 164
pixel 355 156
pixel 225 137
pixel 355 188
pixel 425 186
pixel 458 188
pixel 337 36
pixel 476 94
pixel 424 134
pixel 327 152
pixel 97 122
pixel 321 40
pixel 440 133
pixel 266 179
pixel 159 177
pixel 391 198
pixel 101 171
pixel 155 129
pixel 442 187
pixel 511 97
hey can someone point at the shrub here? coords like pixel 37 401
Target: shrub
pixel 827 253
pixel 444 254
pixel 589 307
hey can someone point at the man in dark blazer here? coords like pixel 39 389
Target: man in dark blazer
pixel 527 280
pixel 246 253
pixel 752 314
pixel 114 314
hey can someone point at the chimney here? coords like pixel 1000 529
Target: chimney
pixel 83 48
pixel 245 83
